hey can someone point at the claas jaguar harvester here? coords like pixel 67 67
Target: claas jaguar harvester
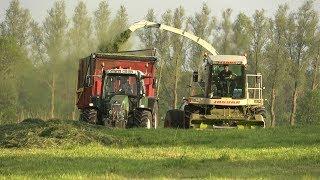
pixel 217 100
pixel 220 101
pixel 118 90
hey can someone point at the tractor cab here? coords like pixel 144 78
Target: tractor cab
pixel 123 97
pixel 123 82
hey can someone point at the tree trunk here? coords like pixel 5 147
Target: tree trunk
pixel 256 61
pixel 294 105
pixel 273 99
pixel 75 102
pixel 315 82
pixel 53 84
pixel 175 93
pixel 160 77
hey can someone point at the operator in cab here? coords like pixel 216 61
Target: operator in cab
pixel 125 86
pixel 225 73
pixel 227 84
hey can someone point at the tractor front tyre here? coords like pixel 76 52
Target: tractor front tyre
pixel 143 119
pixel 89 116
pixel 174 119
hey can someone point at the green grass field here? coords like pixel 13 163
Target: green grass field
pixel 72 150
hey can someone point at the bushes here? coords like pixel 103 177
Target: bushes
pixel 309 108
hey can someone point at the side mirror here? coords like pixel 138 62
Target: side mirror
pixel 88 80
pixel 143 94
pixel 155 83
pixel 95 101
pixel 195 76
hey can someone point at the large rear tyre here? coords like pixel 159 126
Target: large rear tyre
pixel 142 119
pixel 174 119
pixel 89 116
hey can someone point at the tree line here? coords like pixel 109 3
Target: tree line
pixel 39 61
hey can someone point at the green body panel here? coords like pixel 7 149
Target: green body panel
pixel 143 103
pixel 227 116
pixel 123 100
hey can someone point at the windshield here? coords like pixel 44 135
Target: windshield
pixel 221 81
pixel 120 84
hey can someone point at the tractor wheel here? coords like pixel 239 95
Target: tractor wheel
pixel 143 119
pixel 155 120
pixel 174 119
pixel 188 110
pixel 89 116
pixel 260 122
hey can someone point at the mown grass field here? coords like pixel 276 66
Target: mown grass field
pixel 72 150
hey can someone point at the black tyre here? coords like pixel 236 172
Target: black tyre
pixel 188 110
pixel 174 119
pixel 142 119
pixel 89 116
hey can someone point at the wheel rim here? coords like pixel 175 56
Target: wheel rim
pixel 148 123
pixel 155 117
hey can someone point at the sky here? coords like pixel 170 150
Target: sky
pixel 138 8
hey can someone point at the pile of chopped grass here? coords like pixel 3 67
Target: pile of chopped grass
pixel 32 133
pixel 36 133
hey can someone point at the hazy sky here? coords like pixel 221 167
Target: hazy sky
pixel 138 8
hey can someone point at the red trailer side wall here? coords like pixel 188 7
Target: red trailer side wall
pixel 99 64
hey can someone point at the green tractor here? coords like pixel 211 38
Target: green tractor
pixel 124 103
pixel 118 90
pixel 222 95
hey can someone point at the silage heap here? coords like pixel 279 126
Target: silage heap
pixel 36 133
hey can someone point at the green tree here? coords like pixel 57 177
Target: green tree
pixel 163 48
pixel 308 108
pixel 12 58
pixel 302 29
pixel 81 31
pixel 202 25
pixel 16 22
pixel 119 24
pixel 81 46
pixel 178 51
pixel 259 38
pixel 119 37
pixel 315 53
pixel 242 34
pixel 148 36
pixel 277 57
pixel 227 33
pixel 37 46
pixel 102 21
pixel 55 28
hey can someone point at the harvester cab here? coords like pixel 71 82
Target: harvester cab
pixel 222 95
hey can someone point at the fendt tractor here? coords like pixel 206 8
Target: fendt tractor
pixel 118 90
pixel 222 95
